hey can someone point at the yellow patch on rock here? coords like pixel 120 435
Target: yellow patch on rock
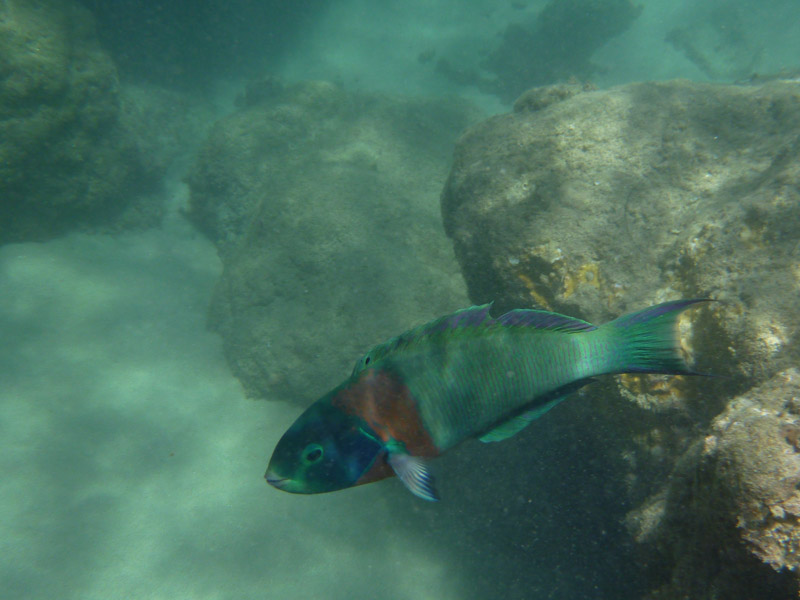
pixel 538 298
pixel 587 274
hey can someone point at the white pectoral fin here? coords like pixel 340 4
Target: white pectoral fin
pixel 414 474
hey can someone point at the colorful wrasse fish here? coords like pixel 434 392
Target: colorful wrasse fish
pixel 463 375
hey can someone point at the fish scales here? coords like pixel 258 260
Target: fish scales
pixel 466 386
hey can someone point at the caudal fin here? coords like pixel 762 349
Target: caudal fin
pixel 646 341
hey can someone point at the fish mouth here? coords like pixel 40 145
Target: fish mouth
pixel 276 481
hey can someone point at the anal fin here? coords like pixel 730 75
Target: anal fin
pixel 516 424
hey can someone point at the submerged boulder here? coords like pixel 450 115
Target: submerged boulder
pixel 323 205
pixel 66 161
pixel 596 203
pixel 727 522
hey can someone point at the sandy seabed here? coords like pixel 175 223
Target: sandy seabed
pixel 132 463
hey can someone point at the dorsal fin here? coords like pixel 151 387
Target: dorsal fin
pixel 543 319
pixel 473 318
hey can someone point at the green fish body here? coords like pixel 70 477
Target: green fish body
pixel 461 376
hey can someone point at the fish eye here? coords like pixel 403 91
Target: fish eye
pixel 312 454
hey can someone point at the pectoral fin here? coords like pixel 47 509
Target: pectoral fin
pixel 414 474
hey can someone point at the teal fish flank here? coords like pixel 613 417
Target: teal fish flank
pixel 463 375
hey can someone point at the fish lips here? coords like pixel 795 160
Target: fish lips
pixel 283 483
pixel 276 480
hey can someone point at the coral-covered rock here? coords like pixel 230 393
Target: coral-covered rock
pixel 611 200
pixel 728 519
pixel 323 205
pixel 595 203
pixel 65 160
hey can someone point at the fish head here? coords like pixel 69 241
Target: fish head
pixel 325 450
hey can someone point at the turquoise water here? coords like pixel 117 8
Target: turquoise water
pixel 133 463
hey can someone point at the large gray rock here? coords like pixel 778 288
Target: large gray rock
pixel 66 162
pixel 727 522
pixel 595 203
pixel 598 202
pixel 323 205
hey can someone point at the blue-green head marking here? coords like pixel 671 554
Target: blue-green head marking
pixel 323 451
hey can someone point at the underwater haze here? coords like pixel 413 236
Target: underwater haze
pixel 145 381
pixel 135 463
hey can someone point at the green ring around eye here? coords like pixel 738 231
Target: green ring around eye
pixel 312 454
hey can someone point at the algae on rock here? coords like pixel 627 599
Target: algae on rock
pixel 727 521
pixel 595 203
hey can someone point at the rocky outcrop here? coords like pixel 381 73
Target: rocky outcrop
pixel 595 203
pixel 323 205
pixel 729 516
pixel 66 161
pixel 598 202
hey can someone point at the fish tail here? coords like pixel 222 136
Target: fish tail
pixel 646 341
